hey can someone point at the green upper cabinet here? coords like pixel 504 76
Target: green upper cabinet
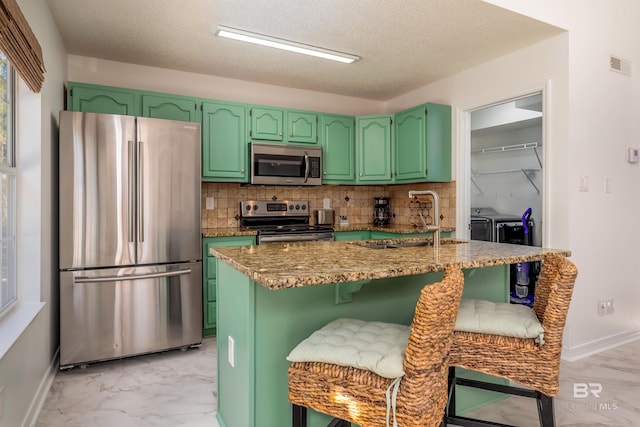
pixel 266 123
pixel 170 107
pixel 337 137
pixel 410 144
pixel 423 144
pixel 224 147
pixel 374 149
pixel 302 127
pixel 101 99
pixel 438 142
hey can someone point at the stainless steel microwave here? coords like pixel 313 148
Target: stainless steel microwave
pixel 283 164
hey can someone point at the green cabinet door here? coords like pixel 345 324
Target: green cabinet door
pixel 410 145
pixel 352 235
pixel 101 99
pixel 210 277
pixel 170 108
pixel 337 138
pixel 374 149
pixel 224 148
pixel 266 123
pixel 438 142
pixel 302 127
pixel 423 144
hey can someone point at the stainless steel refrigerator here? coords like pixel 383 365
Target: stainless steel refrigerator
pixel 130 239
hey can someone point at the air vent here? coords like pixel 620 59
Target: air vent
pixel 620 65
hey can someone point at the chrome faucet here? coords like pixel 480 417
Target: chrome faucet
pixel 435 227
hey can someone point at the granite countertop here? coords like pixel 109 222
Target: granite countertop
pixel 227 232
pixel 392 228
pixel 290 265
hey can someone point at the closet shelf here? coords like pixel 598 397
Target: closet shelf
pixel 527 173
pixel 503 148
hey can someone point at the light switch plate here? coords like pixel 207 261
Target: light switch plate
pixel 584 183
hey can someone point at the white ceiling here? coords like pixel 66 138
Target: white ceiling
pixel 404 44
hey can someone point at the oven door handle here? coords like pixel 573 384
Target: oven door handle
pixel 306 167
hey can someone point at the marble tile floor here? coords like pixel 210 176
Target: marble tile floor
pixel 179 389
pixel 618 405
pixel 173 388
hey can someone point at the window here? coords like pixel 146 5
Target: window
pixel 7 185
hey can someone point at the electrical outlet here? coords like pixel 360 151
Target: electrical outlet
pixel 209 203
pixel 231 352
pixel 606 307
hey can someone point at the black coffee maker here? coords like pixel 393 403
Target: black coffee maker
pixel 381 210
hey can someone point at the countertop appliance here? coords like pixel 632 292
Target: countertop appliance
pixel 130 253
pixel 281 221
pixel 324 216
pixel 285 164
pixel 381 210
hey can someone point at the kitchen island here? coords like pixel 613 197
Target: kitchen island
pixel 271 297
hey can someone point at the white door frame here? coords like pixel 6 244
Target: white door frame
pixel 462 157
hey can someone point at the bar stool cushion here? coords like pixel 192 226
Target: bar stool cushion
pixel 487 317
pixel 374 346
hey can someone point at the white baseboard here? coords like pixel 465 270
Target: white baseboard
pixel 43 391
pixel 596 346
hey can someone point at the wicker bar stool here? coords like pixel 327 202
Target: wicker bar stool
pixel 360 396
pixel 521 360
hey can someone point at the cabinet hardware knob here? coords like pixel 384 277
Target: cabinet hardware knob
pixel 242 170
pixel 360 173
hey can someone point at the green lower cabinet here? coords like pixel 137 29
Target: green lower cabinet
pixel 352 235
pixel 210 277
pixel 259 327
pixel 101 99
pixel 170 108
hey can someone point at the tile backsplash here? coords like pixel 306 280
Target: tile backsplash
pixel 356 202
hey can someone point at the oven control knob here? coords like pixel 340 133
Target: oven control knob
pixel 304 207
pixel 247 208
pixel 297 207
pixel 290 207
pixel 255 207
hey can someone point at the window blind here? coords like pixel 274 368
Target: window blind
pixel 20 45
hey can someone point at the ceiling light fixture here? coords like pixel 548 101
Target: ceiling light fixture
pixel 263 40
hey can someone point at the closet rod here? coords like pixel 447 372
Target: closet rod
pixel 502 148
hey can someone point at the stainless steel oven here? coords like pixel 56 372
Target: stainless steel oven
pixel 285 164
pixel 282 221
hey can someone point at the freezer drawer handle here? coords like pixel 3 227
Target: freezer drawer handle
pixel 84 279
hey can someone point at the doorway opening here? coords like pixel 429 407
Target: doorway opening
pixel 505 177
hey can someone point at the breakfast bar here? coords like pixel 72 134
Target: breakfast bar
pixel 271 297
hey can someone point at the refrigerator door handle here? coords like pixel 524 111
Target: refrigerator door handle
pixel 85 279
pixel 140 193
pixel 131 194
